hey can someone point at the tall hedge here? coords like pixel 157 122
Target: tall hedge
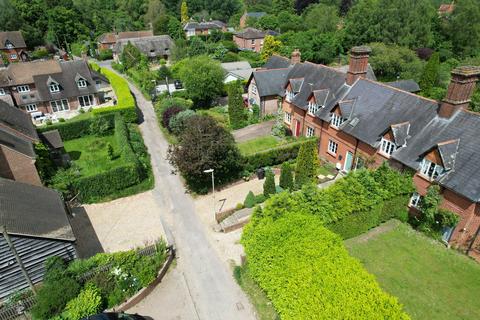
pixel 307 165
pixel 276 155
pixel 308 274
pixel 74 129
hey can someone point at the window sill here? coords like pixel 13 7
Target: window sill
pixel 385 155
pixel 332 154
pixel 426 178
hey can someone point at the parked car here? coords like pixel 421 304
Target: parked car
pixel 115 316
pixel 178 84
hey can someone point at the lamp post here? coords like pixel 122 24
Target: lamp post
pixel 213 191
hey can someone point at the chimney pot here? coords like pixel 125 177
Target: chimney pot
pixel 460 90
pixel 296 57
pixel 358 65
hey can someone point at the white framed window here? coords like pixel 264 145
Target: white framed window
pixel 288 117
pixel 24 88
pixel 312 107
pixel 2 92
pixel 254 89
pixel 86 101
pixel 415 200
pixel 310 132
pixel 387 147
pixel 289 95
pixel 54 87
pixel 9 45
pixel 332 147
pixel 31 107
pixel 82 83
pixel 13 56
pixel 190 32
pixel 337 120
pixel 430 169
pixel 59 105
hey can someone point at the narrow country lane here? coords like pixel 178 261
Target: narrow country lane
pixel 208 282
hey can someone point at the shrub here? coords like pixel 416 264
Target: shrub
pixel 239 206
pixel 165 103
pixel 286 177
pixel 110 151
pixel 307 165
pixel 87 303
pixel 269 184
pixel 105 54
pixel 249 200
pixel 177 122
pixel 255 114
pixel 99 127
pixel 168 114
pixel 260 198
pixel 307 273
pixel 275 156
pixel 236 108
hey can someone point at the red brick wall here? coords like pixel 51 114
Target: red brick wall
pixel 18 167
pixel 247 43
pixel 16 51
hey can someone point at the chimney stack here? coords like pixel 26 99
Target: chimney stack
pixel 358 63
pixel 296 57
pixel 460 90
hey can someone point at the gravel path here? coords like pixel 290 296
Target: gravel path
pixel 208 290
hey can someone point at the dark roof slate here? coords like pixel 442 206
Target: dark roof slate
pixel 14 37
pixel 14 142
pixel 52 139
pixel 405 85
pixel 214 24
pixel 17 120
pixel 270 82
pixel 401 133
pixel 250 33
pixel 155 46
pixel 277 62
pixel 33 211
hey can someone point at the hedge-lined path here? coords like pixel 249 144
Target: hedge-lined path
pixel 253 131
pixel 208 287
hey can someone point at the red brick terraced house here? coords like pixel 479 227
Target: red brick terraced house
pixel 12 46
pixel 361 122
pixel 251 39
pixel 50 87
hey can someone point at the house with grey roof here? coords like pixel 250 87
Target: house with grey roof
pixel 36 223
pixel 12 45
pixel 108 40
pixel 51 87
pixel 193 28
pixel 251 39
pixel 155 47
pixel 239 70
pixel 362 122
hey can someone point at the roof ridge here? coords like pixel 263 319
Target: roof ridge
pixel 399 90
pixel 319 65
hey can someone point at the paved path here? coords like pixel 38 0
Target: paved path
pixel 208 290
pixel 253 131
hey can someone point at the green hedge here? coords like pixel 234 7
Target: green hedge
pixel 128 113
pixel 275 156
pixel 307 273
pixel 116 179
pixel 74 129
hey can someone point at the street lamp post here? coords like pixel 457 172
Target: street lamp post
pixel 213 191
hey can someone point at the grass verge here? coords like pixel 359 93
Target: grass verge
pixel 264 307
pixel 259 144
pixel 431 281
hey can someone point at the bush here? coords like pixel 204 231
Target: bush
pixel 260 198
pixel 167 102
pixel 286 177
pixel 177 122
pixel 105 54
pixel 249 200
pixel 168 114
pixel 275 156
pixel 87 303
pixel 269 184
pixel 307 165
pixel 307 273
pixel 100 127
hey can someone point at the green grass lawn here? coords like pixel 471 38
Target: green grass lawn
pixel 431 281
pixel 258 144
pixel 90 154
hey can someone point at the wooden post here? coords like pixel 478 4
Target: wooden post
pixel 17 257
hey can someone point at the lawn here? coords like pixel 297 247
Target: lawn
pixel 90 154
pixel 258 144
pixel 431 281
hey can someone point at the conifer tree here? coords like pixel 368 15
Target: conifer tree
pixel 184 12
pixel 236 109
pixel 430 73
pixel 307 164
pixel 286 177
pixel 269 184
pixel 249 200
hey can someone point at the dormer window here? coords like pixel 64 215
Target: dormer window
pixel 82 83
pixel 387 147
pixel 430 169
pixel 289 95
pixel 2 92
pixel 337 120
pixel 24 88
pixel 9 45
pixel 54 87
pixel 312 107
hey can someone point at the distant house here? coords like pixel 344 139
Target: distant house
pixel 36 222
pixel 12 45
pixel 51 87
pixel 108 40
pixel 156 47
pixel 251 39
pixel 240 70
pixel 194 28
pixel 253 15
pixel 17 154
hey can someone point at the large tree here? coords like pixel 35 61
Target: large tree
pixel 236 108
pixel 203 80
pixel 464 29
pixel 203 145
pixel 322 18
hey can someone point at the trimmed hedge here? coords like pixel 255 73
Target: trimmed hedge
pixel 74 129
pixel 276 155
pixel 307 273
pixel 115 179
pixel 128 113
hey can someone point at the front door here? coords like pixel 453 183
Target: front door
pixel 348 162
pixel 297 128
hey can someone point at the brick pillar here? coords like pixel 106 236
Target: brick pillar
pixel 460 90
pixel 296 57
pixel 358 63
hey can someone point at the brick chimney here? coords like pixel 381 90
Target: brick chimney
pixel 358 63
pixel 460 90
pixel 296 57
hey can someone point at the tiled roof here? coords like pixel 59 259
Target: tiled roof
pixel 113 37
pixel 215 24
pixel 151 46
pixel 17 120
pixel 52 139
pixel 251 33
pixel 270 82
pixel 16 143
pixel 14 37
pixel 405 85
pixel 277 62
pixel 23 73
pixel 33 211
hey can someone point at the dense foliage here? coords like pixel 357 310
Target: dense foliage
pixel 286 177
pixel 236 108
pixel 269 184
pixel 307 165
pixel 204 144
